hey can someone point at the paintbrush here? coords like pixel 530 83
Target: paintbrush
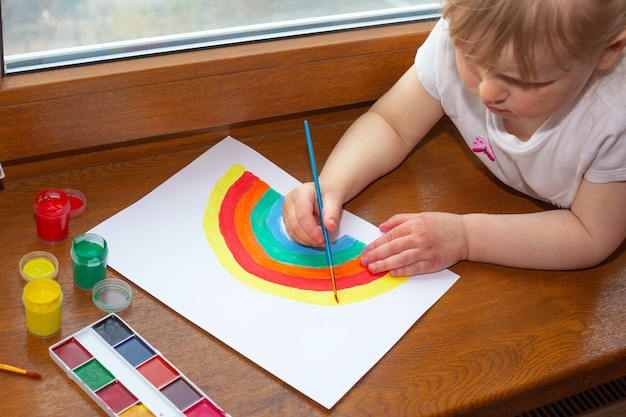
pixel 10 368
pixel 329 256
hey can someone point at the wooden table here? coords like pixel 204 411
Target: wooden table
pixel 500 342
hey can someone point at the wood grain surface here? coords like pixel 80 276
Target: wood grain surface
pixel 500 342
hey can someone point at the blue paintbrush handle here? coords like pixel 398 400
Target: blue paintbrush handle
pixel 318 193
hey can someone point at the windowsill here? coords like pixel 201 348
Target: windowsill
pixel 71 110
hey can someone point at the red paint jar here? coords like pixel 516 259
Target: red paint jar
pixel 52 213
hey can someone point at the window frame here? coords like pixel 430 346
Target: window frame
pixel 83 109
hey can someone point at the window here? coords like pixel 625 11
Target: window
pixel 78 114
pixel 41 34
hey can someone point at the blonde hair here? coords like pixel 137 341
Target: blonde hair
pixel 565 29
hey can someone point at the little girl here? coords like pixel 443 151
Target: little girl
pixel 537 89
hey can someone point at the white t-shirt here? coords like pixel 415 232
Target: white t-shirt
pixel 588 139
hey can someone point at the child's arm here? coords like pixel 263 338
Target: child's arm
pixel 556 239
pixel 375 144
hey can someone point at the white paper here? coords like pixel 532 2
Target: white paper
pixel 159 243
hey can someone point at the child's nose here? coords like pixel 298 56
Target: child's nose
pixel 492 91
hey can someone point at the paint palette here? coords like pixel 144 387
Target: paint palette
pixel 126 376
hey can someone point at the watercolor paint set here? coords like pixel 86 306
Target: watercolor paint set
pixel 126 376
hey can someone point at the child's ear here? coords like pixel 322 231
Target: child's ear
pixel 612 50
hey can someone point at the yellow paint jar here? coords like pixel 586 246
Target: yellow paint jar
pixel 42 300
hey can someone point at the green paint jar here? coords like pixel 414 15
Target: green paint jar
pixel 89 258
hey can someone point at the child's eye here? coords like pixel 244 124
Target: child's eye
pixel 528 85
pixel 525 84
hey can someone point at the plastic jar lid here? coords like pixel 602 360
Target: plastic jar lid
pixel 111 295
pixel 78 202
pixel 39 264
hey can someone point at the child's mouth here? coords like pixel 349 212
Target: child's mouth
pixel 495 109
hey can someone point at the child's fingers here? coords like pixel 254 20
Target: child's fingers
pixel 300 216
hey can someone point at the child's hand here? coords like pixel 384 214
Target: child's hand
pixel 417 244
pixel 301 214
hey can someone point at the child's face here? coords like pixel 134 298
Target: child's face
pixel 504 92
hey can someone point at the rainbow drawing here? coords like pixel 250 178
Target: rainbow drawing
pixel 243 224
